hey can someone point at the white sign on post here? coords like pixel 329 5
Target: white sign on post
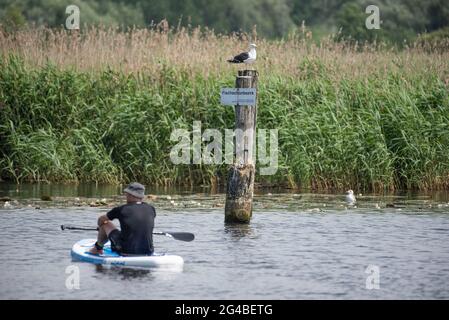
pixel 238 96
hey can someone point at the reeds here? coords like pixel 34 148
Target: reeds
pixel 197 51
pixel 100 106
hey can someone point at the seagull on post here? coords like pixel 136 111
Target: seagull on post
pixel 245 57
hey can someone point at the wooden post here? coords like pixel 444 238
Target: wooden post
pixel 240 184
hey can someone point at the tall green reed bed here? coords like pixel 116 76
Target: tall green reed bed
pixel 386 131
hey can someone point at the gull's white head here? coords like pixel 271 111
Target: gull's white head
pixel 350 191
pixel 252 46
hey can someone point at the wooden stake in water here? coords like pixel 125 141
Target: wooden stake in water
pixel 240 183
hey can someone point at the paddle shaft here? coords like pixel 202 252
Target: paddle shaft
pixel 63 227
pixel 183 236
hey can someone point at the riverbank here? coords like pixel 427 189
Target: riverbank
pixel 101 106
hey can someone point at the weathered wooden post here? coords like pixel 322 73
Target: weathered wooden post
pixel 240 183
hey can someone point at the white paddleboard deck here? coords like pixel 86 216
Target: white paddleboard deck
pixel 80 252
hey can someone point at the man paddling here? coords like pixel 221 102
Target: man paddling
pixel 136 223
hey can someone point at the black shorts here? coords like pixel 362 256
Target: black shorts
pixel 116 240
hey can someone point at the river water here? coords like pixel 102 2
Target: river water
pixel 297 246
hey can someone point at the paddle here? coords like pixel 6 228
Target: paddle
pixel 182 236
pixel 68 227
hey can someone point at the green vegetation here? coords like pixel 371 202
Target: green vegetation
pixel 353 116
pixel 435 41
pixel 401 19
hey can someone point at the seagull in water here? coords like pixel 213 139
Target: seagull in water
pixel 246 57
pixel 350 198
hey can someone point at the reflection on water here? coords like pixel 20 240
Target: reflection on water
pixel 37 190
pixel 135 274
pixel 238 231
pixel 180 199
pixel 123 272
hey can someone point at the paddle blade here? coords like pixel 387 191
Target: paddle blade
pixel 183 236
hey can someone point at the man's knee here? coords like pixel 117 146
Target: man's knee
pixel 102 221
pixel 108 227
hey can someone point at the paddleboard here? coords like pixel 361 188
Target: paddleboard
pixel 80 252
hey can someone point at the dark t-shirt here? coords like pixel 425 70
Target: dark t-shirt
pixel 136 224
